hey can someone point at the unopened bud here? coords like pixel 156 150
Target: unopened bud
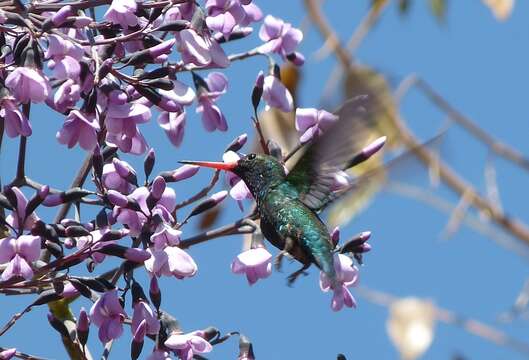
pixel 137 340
pixel 182 173
pixel 60 16
pixel 257 91
pixel 8 353
pixel 148 163
pixel 154 293
pixel 237 143
pixel 83 326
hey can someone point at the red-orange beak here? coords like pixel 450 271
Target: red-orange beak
pixel 211 164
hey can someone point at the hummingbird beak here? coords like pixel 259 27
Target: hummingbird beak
pixel 211 164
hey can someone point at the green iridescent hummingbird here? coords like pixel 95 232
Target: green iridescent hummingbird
pixel 288 203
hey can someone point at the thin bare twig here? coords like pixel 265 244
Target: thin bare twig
pixel 446 174
pixel 467 123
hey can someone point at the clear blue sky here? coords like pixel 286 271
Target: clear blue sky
pixel 480 66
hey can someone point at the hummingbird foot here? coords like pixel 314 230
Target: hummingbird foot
pixel 278 261
pixel 293 277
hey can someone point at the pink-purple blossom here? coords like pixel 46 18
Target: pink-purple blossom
pixel 17 216
pixel 27 85
pixel 19 253
pixel 346 276
pixel 173 124
pixel 187 345
pixel 276 94
pixel 122 129
pixel 122 12
pixel 280 37
pixel 66 96
pixel 79 127
pixel 200 50
pixel 311 123
pixel 171 261
pixel 15 122
pixel 225 15
pixel 212 117
pixel 112 179
pixel 254 263
pixel 143 312
pixel 108 315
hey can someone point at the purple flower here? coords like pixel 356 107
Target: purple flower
pixel 200 51
pixel 66 96
pixel 27 85
pixel 143 312
pixel 239 191
pixel 255 263
pixel 165 235
pixel 114 181
pixel 187 345
pixel 346 275
pixel 171 261
pixel 15 218
pixel 183 11
pixel 108 315
pixel 63 57
pixel 122 130
pixel 276 94
pixel 173 123
pixel 19 253
pixel 121 12
pixel 280 37
pixel 212 117
pixel 15 122
pixel 311 122
pixel 181 94
pixel 79 127
pixel 92 242
pixel 136 219
pixel 225 15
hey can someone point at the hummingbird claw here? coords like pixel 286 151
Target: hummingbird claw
pixel 293 277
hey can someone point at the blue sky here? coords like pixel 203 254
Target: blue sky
pixel 479 65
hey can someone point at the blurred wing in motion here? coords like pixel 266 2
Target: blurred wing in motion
pixel 314 173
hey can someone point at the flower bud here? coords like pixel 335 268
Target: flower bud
pixel 83 326
pixel 182 173
pixel 367 152
pixel 237 143
pixel 60 16
pixel 154 293
pixel 257 91
pixel 133 254
pixel 148 163
pixel 125 171
pixel 137 340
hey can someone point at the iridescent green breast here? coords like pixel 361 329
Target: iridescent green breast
pixel 282 209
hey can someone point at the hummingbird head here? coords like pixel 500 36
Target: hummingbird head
pixel 257 171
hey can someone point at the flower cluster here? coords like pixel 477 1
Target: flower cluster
pixel 105 77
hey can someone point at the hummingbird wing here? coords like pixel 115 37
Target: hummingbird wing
pixel 314 173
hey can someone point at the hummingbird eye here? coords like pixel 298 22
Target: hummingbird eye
pixel 251 156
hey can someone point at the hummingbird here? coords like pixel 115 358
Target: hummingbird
pixel 288 204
